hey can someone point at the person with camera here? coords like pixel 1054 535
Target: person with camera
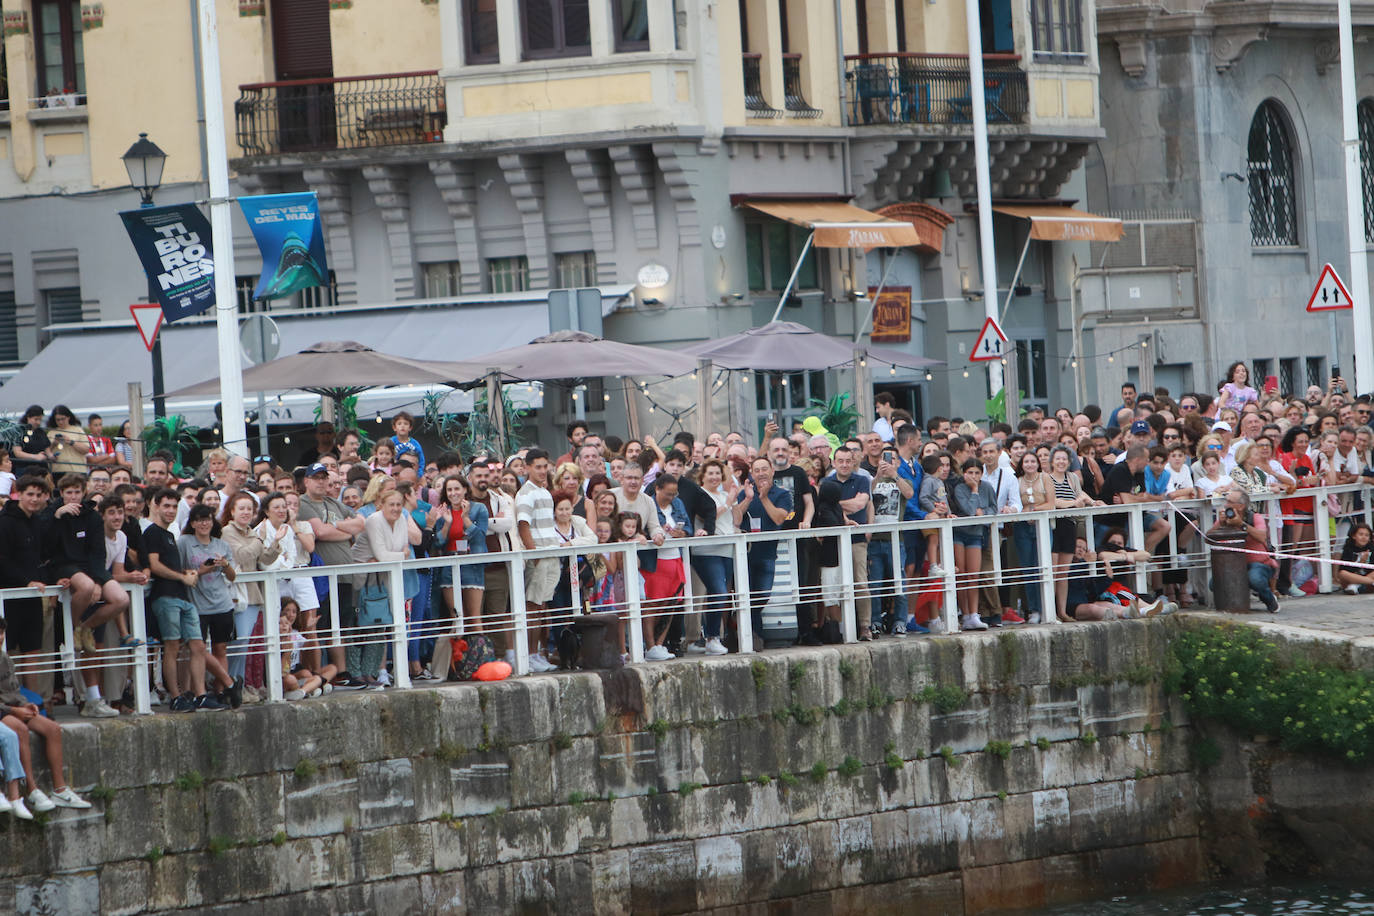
pixel 1262 567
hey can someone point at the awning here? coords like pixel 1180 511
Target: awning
pixel 840 225
pixel 1057 223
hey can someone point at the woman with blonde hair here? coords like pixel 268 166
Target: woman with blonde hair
pixel 377 488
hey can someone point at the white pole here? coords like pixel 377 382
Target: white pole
pixel 221 231
pixel 976 94
pixel 1354 210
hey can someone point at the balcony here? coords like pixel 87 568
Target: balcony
pixel 343 113
pixel 932 89
pixel 754 102
pixel 797 106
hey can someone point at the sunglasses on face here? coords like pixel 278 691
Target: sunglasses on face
pixel 1214 448
pixel 1187 407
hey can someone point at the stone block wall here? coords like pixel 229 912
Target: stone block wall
pixel 961 774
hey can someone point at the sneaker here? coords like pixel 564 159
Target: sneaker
pixel 346 681
pixel 937 571
pixel 376 687
pixel 39 803
pixel 384 678
pixel 936 625
pixel 424 675
pixel 318 691
pixel 1010 616
pixel 899 629
pixel 912 626
pixel 1169 607
pixel 98 709
pixel 18 809
pixel 1295 592
pixel 657 654
pixel 209 703
pixel 1035 617
pixel 1352 589
pixel 1152 609
pixel 1275 608
pixel 974 622
pixel 66 798
pixel 699 648
pixel 539 664
pixel 713 647
pixel 183 703
pixel 296 694
pixel 235 693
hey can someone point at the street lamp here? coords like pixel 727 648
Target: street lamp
pixel 144 162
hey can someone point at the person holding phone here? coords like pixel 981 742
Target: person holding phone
pixel 1237 515
pixel 212 593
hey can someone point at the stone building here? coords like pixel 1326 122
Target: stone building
pixel 470 155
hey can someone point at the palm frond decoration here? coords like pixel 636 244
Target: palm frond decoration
pixel 835 415
pixel 172 434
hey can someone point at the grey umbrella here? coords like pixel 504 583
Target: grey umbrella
pixel 338 368
pixel 577 355
pixel 786 346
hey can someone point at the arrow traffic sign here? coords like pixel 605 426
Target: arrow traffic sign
pixel 989 344
pixel 1330 294
pixel 148 318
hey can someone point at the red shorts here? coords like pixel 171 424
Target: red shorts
pixel 665 581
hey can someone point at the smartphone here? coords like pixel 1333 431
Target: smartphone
pixel 890 456
pixel 1335 371
pixel 209 561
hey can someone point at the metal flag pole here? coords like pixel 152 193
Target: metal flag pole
pixel 221 230
pixel 977 90
pixel 1354 210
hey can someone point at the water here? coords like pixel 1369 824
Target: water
pixel 1291 899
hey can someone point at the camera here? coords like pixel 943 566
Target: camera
pixel 1301 471
pixel 1230 513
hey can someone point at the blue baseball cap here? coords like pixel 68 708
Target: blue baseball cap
pixel 316 468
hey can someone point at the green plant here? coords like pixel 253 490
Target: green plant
pixel 846 668
pixel 892 760
pixel 1147 729
pixel 1140 773
pixel 562 741
pixel 796 673
pixel 876 699
pixel 653 790
pixel 1002 794
pixel 849 766
pixel 760 672
pixel 1088 739
pixel 172 434
pixel 842 708
pixel 279 838
pixel 659 727
pixel 219 844
pixel 101 793
pixel 763 779
pixel 999 748
pixel 189 781
pixel 921 755
pixel 947 753
pixel 687 788
pixel 154 855
pixel 787 779
pixel 996 406
pixel 305 768
pixel 481 434
pixel 577 798
pixel 818 771
pixel 838 417
pixel 447 752
pixel 945 699
pixel 1043 743
pixel 1010 648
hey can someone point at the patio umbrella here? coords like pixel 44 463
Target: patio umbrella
pixel 786 346
pixel 338 369
pixel 575 355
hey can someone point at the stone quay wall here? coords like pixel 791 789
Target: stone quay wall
pixel 955 775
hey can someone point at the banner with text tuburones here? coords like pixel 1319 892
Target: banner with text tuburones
pixel 173 243
pixel 288 232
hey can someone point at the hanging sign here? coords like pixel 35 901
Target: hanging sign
pixel 173 244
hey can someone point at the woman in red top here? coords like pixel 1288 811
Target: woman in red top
pixel 1298 530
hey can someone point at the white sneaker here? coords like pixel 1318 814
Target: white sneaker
pixel 1295 592
pixel 657 654
pixel 937 571
pixel 384 678
pixel 974 622
pixel 1352 589
pixel 1154 608
pixel 40 802
pixel 296 694
pixel 18 809
pixel 69 799
pixel 5 806
pixel 539 664
pixel 899 629
pixel 699 648
pixel 510 657
pixel 1033 618
pixel 714 647
pixel 98 709
pixel 936 624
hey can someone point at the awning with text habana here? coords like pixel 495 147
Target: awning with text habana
pixel 839 225
pixel 1058 223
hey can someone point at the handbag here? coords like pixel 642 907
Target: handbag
pixel 374 604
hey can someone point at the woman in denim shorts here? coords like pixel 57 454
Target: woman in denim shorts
pixel 971 496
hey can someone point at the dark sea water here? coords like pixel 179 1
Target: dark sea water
pixel 1291 899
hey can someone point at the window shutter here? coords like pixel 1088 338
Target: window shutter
pixel 300 37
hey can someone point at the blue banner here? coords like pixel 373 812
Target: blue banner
pixel 173 243
pixel 288 232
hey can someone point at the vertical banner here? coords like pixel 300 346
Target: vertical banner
pixel 173 243
pixel 288 232
pixel 892 314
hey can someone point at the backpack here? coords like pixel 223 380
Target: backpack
pixel 473 652
pixel 830 633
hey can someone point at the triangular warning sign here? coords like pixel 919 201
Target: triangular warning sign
pixel 989 343
pixel 148 318
pixel 1330 293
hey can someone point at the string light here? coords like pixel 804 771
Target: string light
pixel 1004 360
pixel 965 373
pixel 574 395
pixel 863 363
pixel 607 397
pixel 784 381
pixel 285 440
pixel 1111 358
pixel 379 417
pixel 929 375
pixel 892 370
pixel 1073 364
pixel 694 375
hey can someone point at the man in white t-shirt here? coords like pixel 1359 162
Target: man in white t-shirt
pixel 534 523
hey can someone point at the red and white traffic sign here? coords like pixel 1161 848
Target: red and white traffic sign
pixel 1330 294
pixel 989 344
pixel 148 318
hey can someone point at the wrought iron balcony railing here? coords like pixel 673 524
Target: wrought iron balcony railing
pixel 932 88
pixel 350 112
pixel 754 101
pixel 797 105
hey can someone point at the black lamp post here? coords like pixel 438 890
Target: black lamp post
pixel 144 162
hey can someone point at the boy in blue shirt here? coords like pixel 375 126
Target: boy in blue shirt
pixel 401 425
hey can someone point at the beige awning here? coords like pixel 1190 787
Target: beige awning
pixel 840 225
pixel 1056 223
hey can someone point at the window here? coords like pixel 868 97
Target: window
pixel 576 270
pixel 771 250
pixel 63 305
pixel 1273 198
pixel 1057 26
pixel 442 279
pixel 1315 375
pixel 1031 374
pixel 58 58
pixel 1288 376
pixel 4 80
pixel 1259 371
pixel 313 298
pixel 631 25
pixel 555 28
pixel 480 31
pixel 1365 113
pixel 508 275
pixel 9 328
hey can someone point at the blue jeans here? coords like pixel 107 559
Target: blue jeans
pixel 881 578
pixel 718 575
pixel 1023 536
pixel 245 618
pixel 761 570
pixel 9 755
pixel 419 613
pixel 1259 584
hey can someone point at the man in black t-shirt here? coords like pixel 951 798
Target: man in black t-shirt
pixel 808 575
pixel 1125 484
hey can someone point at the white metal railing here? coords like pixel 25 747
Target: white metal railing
pixel 516 621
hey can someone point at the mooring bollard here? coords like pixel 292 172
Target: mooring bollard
pixel 1230 570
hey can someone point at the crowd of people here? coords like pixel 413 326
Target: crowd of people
pixel 76 518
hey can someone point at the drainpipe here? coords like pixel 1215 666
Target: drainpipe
pixel 200 98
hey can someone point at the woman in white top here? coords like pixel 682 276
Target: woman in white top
pixel 278 525
pixel 715 565
pixel 387 536
pixel 1211 480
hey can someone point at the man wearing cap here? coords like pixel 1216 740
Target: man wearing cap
pixel 1227 435
pixel 334 525
pixel 1138 433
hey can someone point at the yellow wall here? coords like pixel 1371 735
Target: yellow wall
pixel 943 28
pixel 557 94
pixel 731 66
pixel 385 36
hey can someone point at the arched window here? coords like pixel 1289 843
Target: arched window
pixel 1273 186
pixel 1366 119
